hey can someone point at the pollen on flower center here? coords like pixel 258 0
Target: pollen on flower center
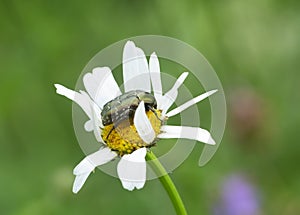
pixel 124 139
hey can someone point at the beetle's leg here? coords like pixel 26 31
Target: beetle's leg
pixel 153 143
pixel 153 111
pixel 110 132
pixel 127 114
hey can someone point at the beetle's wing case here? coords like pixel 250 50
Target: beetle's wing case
pixel 124 106
pixel 118 107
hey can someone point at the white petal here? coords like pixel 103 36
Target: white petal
pixel 79 182
pixel 132 169
pixel 89 125
pixel 85 166
pixel 192 133
pixel 97 158
pixel 97 122
pixel 190 103
pixel 87 104
pixel 154 69
pixel 101 85
pixel 143 125
pixel 88 164
pixel 82 98
pixel 170 97
pixel 135 69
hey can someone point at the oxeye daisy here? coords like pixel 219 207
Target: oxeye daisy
pixel 129 124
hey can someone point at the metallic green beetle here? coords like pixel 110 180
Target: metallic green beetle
pixel 124 106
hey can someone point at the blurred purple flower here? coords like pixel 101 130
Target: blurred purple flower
pixel 238 197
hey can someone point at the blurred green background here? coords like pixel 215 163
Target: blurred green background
pixel 252 45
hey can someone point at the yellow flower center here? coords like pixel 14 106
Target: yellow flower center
pixel 124 139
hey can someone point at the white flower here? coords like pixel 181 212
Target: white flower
pixel 145 129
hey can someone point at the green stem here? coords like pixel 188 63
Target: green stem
pixel 167 183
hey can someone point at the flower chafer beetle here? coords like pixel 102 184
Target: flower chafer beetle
pixel 124 106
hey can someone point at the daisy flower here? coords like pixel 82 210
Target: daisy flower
pixel 128 124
